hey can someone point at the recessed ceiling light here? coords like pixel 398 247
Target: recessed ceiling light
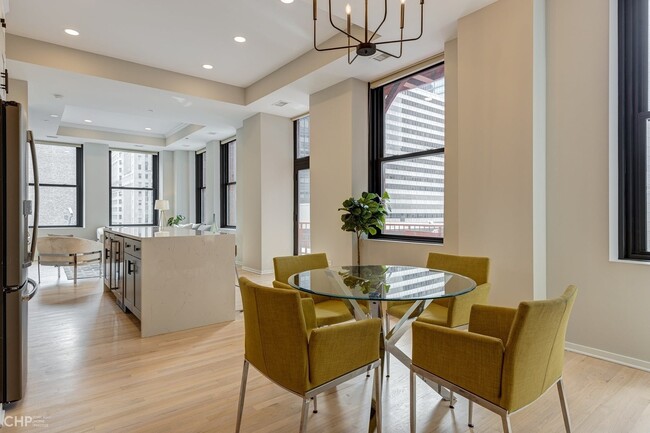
pixel 72 32
pixel 240 39
pixel 54 115
pixel 88 121
pixel 147 129
pixel 208 66
pixel 287 1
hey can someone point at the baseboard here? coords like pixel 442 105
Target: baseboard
pixel 257 271
pixel 608 356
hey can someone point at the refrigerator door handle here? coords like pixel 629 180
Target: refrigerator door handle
pixel 32 147
pixel 30 295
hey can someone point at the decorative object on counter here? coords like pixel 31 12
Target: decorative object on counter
pixel 363 44
pixel 161 206
pixel 175 220
pixel 364 216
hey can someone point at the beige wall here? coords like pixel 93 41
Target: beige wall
pixel 338 163
pixel 611 312
pixel 264 191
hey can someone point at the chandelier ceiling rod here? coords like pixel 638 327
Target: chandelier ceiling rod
pixel 367 47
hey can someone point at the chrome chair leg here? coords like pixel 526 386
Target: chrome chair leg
pixel 470 414
pixel 304 415
pixel 565 407
pixel 242 394
pixel 412 401
pixel 505 419
pixel 451 399
pixel 315 398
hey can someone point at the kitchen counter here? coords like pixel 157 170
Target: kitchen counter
pixel 172 279
pixel 155 232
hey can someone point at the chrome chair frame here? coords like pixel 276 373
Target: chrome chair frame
pixel 473 398
pixel 375 406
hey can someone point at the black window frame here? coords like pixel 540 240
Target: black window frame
pixel 224 183
pixel 201 185
pixel 633 116
pixel 155 168
pixel 376 123
pixel 299 164
pixel 79 175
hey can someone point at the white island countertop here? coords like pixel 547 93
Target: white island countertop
pixel 155 232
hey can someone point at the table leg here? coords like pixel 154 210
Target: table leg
pixel 388 342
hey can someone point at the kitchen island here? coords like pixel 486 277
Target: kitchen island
pixel 171 279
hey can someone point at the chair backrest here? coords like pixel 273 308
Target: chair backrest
pixel 286 266
pixel 534 354
pixel 276 339
pixel 476 268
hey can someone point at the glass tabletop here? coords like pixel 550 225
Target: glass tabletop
pixel 382 283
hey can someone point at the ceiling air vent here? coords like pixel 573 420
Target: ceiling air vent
pixel 280 103
pixel 380 57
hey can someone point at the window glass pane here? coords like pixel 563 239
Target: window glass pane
pixel 58 206
pixel 56 164
pixel 414 113
pixel 132 206
pixel 134 170
pixel 232 161
pixel 304 238
pixel 416 188
pixel 302 135
pixel 232 205
pixel 204 167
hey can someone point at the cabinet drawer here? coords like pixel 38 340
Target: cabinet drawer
pixel 132 247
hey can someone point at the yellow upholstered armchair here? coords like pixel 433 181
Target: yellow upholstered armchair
pixel 450 312
pixel 283 343
pixel 328 311
pixel 507 360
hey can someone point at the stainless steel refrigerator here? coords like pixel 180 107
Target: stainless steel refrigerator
pixel 18 247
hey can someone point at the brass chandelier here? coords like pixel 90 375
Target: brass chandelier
pixel 366 47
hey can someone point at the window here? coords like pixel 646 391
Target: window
pixel 634 130
pixel 132 195
pixel 301 189
pixel 407 159
pixel 200 187
pixel 229 184
pixel 60 170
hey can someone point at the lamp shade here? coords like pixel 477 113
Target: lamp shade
pixel 161 205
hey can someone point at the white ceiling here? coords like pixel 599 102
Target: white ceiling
pixel 182 36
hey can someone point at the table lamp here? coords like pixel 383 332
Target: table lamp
pixel 161 206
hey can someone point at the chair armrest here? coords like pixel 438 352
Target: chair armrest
pixel 492 321
pixel 338 349
pixel 279 285
pixel 309 312
pixel 460 306
pixel 471 361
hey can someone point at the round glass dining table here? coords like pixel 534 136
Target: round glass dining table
pixel 379 284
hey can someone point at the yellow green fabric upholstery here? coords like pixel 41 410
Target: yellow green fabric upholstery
pixel 279 343
pixel 328 311
pixel 455 311
pixel 286 266
pixel 509 357
pixel 471 361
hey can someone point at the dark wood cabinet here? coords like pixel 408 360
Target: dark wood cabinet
pixel 132 277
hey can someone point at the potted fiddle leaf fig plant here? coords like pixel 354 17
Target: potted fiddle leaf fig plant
pixel 364 216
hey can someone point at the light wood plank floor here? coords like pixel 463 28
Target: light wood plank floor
pixel 91 372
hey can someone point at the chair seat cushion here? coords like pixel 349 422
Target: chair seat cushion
pixel 331 312
pixel 434 314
